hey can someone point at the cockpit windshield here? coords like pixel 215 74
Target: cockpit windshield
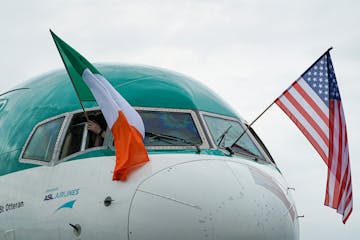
pixel 225 132
pixel 169 129
pixel 65 136
pixel 162 128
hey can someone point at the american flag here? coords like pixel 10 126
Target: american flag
pixel 313 103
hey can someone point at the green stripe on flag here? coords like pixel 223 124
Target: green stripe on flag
pixel 75 65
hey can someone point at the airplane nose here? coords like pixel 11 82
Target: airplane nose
pixel 212 199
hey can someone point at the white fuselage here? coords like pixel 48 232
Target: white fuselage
pixel 174 196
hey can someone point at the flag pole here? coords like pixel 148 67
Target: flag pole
pixel 67 70
pixel 248 126
pixel 262 113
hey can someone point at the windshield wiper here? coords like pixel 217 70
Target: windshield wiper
pixel 222 136
pixel 245 151
pixel 172 138
pixel 152 135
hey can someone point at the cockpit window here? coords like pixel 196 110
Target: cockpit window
pixel 169 129
pixel 225 132
pixel 78 138
pixel 42 143
pixel 75 139
pixel 68 135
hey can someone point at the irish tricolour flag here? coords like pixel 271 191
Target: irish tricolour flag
pixel 125 123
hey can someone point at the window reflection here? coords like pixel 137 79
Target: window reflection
pixel 169 128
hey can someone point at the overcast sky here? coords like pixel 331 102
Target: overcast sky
pixel 249 52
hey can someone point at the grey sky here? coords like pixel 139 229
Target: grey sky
pixel 249 52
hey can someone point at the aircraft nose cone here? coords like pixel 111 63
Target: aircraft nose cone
pixel 211 199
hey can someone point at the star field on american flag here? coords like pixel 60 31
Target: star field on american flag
pixel 321 78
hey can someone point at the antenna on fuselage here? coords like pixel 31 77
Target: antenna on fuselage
pixel 13 90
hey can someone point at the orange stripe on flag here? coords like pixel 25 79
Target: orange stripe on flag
pixel 129 147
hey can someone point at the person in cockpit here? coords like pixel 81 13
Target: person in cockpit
pixel 96 128
pixel 83 134
pixel 99 132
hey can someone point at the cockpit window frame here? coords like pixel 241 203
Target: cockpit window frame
pixel 243 125
pixel 106 145
pixel 68 116
pixel 56 146
pixel 198 118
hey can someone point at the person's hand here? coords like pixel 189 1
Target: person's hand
pixel 94 127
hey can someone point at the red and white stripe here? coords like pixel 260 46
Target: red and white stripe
pixel 325 128
pixel 339 193
pixel 309 113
